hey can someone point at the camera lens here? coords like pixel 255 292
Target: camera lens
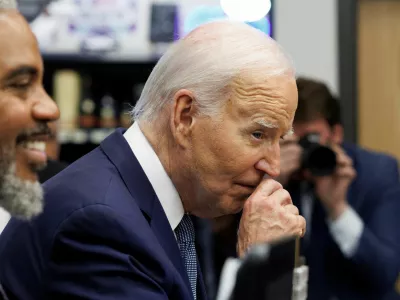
pixel 319 160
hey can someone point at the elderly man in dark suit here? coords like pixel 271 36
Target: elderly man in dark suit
pixel 117 223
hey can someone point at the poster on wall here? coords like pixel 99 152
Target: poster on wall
pixel 253 12
pixel 119 30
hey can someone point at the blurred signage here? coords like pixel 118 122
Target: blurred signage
pixel 119 30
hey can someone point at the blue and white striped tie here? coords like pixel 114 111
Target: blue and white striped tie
pixel 185 236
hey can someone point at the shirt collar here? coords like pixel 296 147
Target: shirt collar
pixel 4 218
pixel 156 174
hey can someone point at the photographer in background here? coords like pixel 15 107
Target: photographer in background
pixel 352 244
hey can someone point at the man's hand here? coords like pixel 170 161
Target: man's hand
pixel 332 190
pixel 291 153
pixel 268 215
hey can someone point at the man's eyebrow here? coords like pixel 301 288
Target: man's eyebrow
pixel 23 70
pixel 289 132
pixel 267 124
pixel 274 126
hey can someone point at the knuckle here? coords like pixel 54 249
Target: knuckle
pixel 302 221
pixel 269 205
pixel 285 197
pixel 295 210
pixel 283 215
pixel 284 193
pixel 276 184
pixel 265 183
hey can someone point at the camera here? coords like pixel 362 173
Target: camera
pixel 318 159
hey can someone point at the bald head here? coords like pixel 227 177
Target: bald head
pixel 225 31
pixel 206 61
pixel 8 4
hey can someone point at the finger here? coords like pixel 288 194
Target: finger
pixel 337 149
pixel 343 160
pixel 292 209
pixel 348 172
pixel 297 225
pixel 282 197
pixel 341 157
pixel 301 225
pixel 267 187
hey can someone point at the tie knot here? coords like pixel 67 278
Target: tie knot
pixel 185 230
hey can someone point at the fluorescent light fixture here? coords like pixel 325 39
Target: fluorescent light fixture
pixel 246 10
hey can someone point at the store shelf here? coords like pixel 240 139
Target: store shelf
pixel 83 136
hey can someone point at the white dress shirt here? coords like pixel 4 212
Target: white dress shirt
pixel 346 230
pixel 4 218
pixel 156 174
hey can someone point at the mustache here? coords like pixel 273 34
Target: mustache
pixel 39 130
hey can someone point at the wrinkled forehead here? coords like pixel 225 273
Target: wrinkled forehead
pixel 255 93
pixel 18 45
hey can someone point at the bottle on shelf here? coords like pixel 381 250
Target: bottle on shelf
pixel 87 109
pixel 108 115
pixel 66 93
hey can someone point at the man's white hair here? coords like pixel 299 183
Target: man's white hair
pixel 8 4
pixel 205 62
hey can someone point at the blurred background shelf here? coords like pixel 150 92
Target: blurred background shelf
pixel 84 136
pixel 98 55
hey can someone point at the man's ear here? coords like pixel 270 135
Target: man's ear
pixel 183 116
pixel 337 134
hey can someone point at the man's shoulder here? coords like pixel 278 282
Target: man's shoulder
pixel 377 172
pixel 88 181
pixel 87 193
pixel 88 199
pixel 370 160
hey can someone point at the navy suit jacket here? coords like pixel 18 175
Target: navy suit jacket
pixel 103 235
pixel 372 271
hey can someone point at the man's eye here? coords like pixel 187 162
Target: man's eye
pixel 257 135
pixel 21 85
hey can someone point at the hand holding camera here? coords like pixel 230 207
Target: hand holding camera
pixel 332 189
pixel 328 167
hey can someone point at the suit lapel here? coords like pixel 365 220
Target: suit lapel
pixel 120 154
pixel 201 289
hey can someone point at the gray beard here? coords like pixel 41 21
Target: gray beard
pixel 21 198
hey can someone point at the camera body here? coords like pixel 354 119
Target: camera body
pixel 318 159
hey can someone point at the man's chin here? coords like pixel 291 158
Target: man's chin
pixel 30 173
pixel 38 167
pixel 231 210
pixel 22 197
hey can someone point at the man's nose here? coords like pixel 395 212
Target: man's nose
pixel 45 109
pixel 270 164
